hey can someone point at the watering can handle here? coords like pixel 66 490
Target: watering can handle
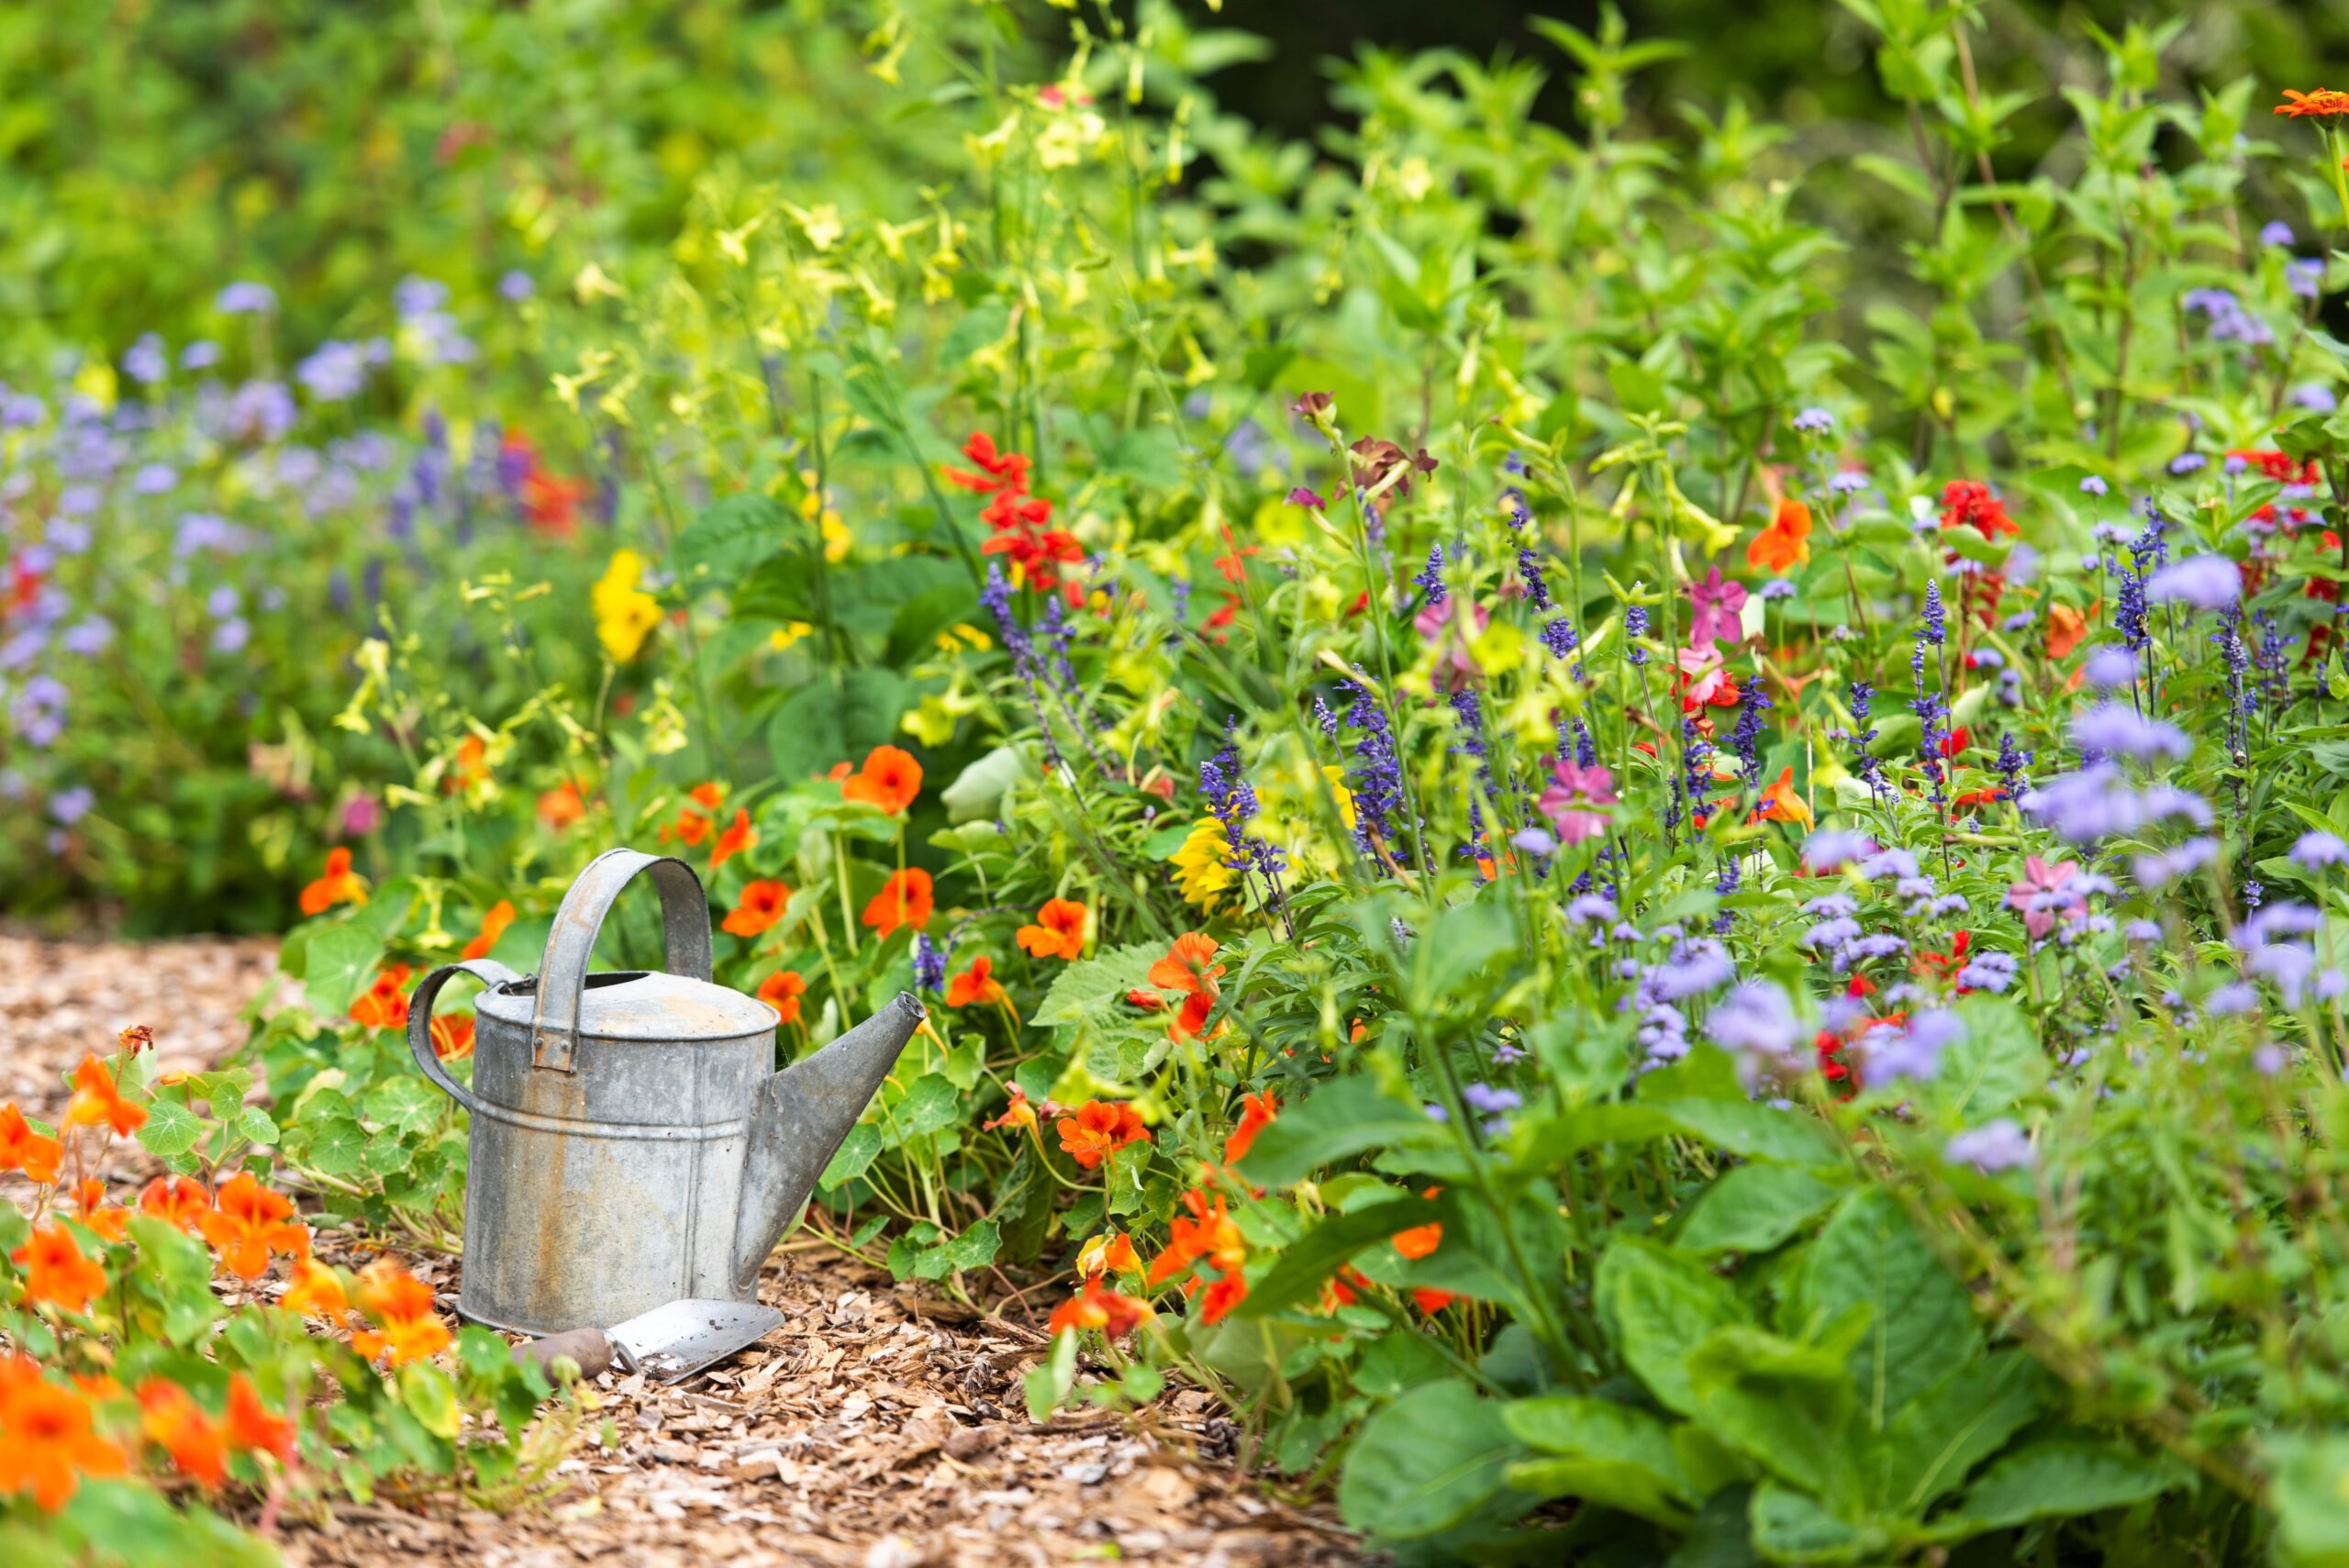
pixel 489 971
pixel 685 920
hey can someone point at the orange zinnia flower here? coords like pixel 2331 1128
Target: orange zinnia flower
pixel 1107 1310
pixel 46 1444
pixel 492 926
pixel 889 779
pixel 1059 930
pixel 2325 103
pixel 55 1270
pixel 1256 1113
pixel 97 1099
pixel 1109 1252
pixel 177 1201
pixel 1018 1113
pixel 782 991
pixel 734 840
pixel 976 984
pixel 37 1154
pixel 560 806
pixel 761 907
pixel 1781 803
pixel 403 1305
pixel 339 884
pixel 175 1423
pixel 252 1428
pixel 453 1036
pixel 250 1223
pixel 1785 543
pixel 1222 1297
pixel 1099 1129
pixel 903 900
pixel 384 1005
pixel 315 1293
pixel 1185 966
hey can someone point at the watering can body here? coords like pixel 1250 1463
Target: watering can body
pixel 631 1141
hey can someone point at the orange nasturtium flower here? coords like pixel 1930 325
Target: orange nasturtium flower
pixel 1107 1310
pixel 903 900
pixel 453 1036
pixel 1785 543
pixel 1019 1113
pixel 492 926
pixel 889 779
pixel 1099 1129
pixel 252 1428
pixel 2066 628
pixel 1780 803
pixel 338 885
pixel 97 1099
pixel 384 1005
pixel 560 806
pixel 1208 1233
pixel 90 1200
pixel 736 838
pixel 2325 103
pixel 1222 1297
pixel 47 1444
pixel 762 906
pixel 250 1223
pixel 782 991
pixel 976 984
pixel 315 1293
pixel 177 1201
pixel 1185 966
pixel 1059 930
pixel 403 1305
pixel 1256 1113
pixel 1109 1252
pixel 175 1423
pixel 57 1272
pixel 37 1154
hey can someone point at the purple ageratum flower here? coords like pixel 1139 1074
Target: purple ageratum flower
pixel 2205 582
pixel 1992 971
pixel 1593 909
pixel 2096 802
pixel 2093 486
pixel 2288 964
pixel 2162 869
pixel 1697 967
pixel 2141 931
pixel 88 637
pixel 1894 863
pixel 147 363
pixel 1847 481
pixel 516 286
pixel 1755 1021
pixel 2285 919
pixel 1436 1112
pixel 1832 847
pixel 2275 233
pixel 2304 275
pixel 1778 588
pixel 334 373
pixel 2121 731
pixel 1814 421
pixel 246 299
pixel 2232 1000
pixel 1914 1051
pixel 202 354
pixel 1663 1036
pixel 1831 932
pixel 1488 1101
pixel 2108 667
pixel 153 479
pixel 2270 1059
pixel 231 636
pixel 2314 851
pixel 1833 906
pixel 1993 1147
pixel 1534 841
pixel 1301 497
pixel 2187 463
pixel 260 411
pixel 2315 397
pixel 1574 788
pixel 68 807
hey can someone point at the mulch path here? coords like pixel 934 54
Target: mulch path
pixel 872 1430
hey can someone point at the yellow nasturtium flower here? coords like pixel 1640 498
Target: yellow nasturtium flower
pixel 625 613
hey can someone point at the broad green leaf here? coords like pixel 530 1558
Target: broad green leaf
pixel 857 1151
pixel 1342 1118
pixel 1921 1325
pixel 1952 1427
pixel 2311 1497
pixel 1791 1527
pixel 426 1393
pixel 1658 1306
pixel 1426 1462
pixel 1442 962
pixel 343 962
pixel 1787 1406
pixel 406 1104
pixel 978 791
pixel 171 1129
pixel 1093 989
pixel 1751 1130
pixel 1755 1208
pixel 837 718
pixel 1608 1453
pixel 335 1145
pixel 1995 1064
pixel 2054 1479
pixel 729 538
pixel 1300 1268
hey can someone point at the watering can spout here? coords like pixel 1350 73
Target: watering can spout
pixel 799 1121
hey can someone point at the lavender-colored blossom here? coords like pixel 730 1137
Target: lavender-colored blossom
pixel 2187 463
pixel 1490 1101
pixel 2314 397
pixel 87 636
pixel 1832 905
pixel 1755 1018
pixel 1995 1146
pixel 2289 965
pixel 1991 970
pixel 1893 862
pixel 1832 847
pixel 2205 582
pixel 147 362
pixel 2108 667
pixel 246 299
pixel 1698 966
pixel 929 965
pixel 2304 275
pixel 1592 909
pixel 2121 731
pixel 2093 486
pixel 2270 1059
pixel 1913 1052
pixel 333 372
pixel 1534 841
pixel 516 286
pixel 68 807
pixel 2276 232
pixel 2232 1000
pixel 1814 421
pixel 2161 869
pixel 2315 850
pixel 1847 481
pixel 2142 931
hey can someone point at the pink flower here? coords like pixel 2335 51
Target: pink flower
pixel 1703 668
pixel 1574 787
pixel 1456 669
pixel 361 817
pixel 1717 605
pixel 2039 895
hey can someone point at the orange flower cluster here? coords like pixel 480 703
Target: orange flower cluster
pixel 1109 1252
pixel 1099 1129
pixel 1189 967
pixel 1206 1235
pixel 97 1098
pixel 560 808
pixel 760 908
pixel 249 1222
pixel 179 1202
pixel 56 1271
pixel 200 1445
pixel 890 780
pixel 49 1439
pixel 739 836
pixel 694 822
pixel 903 900
pixel 1256 1113
pixel 1020 520
pixel 1095 1308
pixel 402 1306
pixel 782 991
pixel 23 1148
pixel 384 1005
pixel 1059 930
pixel 338 885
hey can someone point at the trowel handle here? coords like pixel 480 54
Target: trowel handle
pixel 684 921
pixel 489 971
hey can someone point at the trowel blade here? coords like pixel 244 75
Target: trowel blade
pixel 674 1341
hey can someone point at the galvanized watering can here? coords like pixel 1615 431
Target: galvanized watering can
pixel 632 1143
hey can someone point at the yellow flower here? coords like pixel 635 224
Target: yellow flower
pixel 625 613
pixel 1200 873
pixel 1346 797
pixel 789 633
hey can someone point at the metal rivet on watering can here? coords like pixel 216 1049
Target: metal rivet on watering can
pixel 632 1143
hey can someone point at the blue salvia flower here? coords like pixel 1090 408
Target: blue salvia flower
pixel 1433 578
pixel 1376 779
pixel 997 597
pixel 2011 765
pixel 929 965
pixel 1936 626
pixel 1746 739
pixel 1537 591
pixel 1635 626
pixel 1561 638
pixel 1324 720
pixel 1468 720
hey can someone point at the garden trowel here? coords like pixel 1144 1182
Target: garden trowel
pixel 667 1344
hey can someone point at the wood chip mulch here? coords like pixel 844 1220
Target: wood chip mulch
pixel 873 1431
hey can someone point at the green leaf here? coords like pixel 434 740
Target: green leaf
pixel 2311 1497
pixel 1753 1131
pixel 1755 1208
pixel 1658 1306
pixel 1789 1526
pixel 1049 1381
pixel 2056 1478
pixel 1994 1064
pixel 1922 1325
pixel 1093 990
pixel 1443 960
pixel 1300 1268
pixel 978 790
pixel 729 538
pixel 254 1125
pixel 171 1129
pixel 1954 1426
pixel 334 1145
pixel 343 962
pixel 1342 1118
pixel 1787 1406
pixel 1426 1462
pixel 857 1151
pixel 1608 1453
pixel 427 1395
pixel 406 1104
pixel 838 716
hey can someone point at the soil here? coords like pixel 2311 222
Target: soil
pixel 873 1429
